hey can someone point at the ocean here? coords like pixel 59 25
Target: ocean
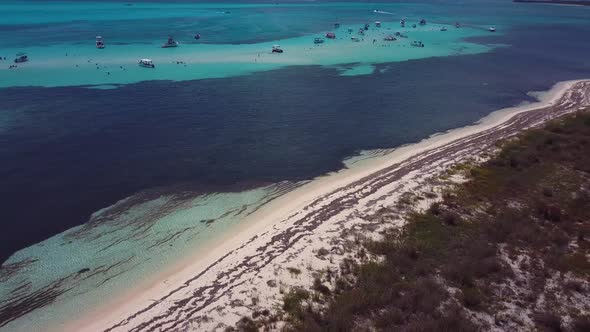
pixel 120 173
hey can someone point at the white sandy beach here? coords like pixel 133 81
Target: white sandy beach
pixel 201 291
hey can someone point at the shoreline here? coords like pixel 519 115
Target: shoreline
pixel 277 214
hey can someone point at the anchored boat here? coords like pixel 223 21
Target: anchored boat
pixel 146 63
pixel 277 49
pixel 170 43
pixel 331 35
pixel 99 42
pixel 318 40
pixel 20 58
pixel 417 43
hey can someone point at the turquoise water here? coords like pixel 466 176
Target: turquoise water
pixel 78 62
pixel 162 154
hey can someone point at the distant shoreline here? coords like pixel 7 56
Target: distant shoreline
pixel 557 2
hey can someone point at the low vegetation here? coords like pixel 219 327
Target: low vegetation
pixel 508 248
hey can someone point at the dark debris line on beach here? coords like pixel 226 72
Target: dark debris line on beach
pixel 173 315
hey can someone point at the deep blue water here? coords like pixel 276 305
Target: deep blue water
pixel 67 152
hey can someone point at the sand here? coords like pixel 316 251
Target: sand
pixel 203 290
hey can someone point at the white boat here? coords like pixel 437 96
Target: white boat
pixel 170 43
pixel 378 24
pixel 99 42
pixel 146 63
pixel 492 29
pixel 277 49
pixel 355 39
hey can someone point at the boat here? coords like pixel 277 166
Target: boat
pixel 361 31
pixel 277 49
pixel 318 40
pixel 146 63
pixel 414 26
pixel 390 38
pixel 457 25
pixel 99 42
pixel 367 26
pixel 443 29
pixel 197 36
pixel 417 43
pixel 170 43
pixel 422 22
pixel 20 58
pixel 378 24
pixel 355 39
pixel 331 35
pixel 336 25
pixel 350 30
pixel 492 29
pixel 401 35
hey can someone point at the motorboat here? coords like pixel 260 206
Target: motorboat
pixel 422 22
pixel 367 26
pixel 414 26
pixel 355 39
pixel 390 38
pixel 99 42
pixel 416 43
pixel 146 63
pixel 443 29
pixel 336 25
pixel 457 25
pixel 331 35
pixel 197 36
pixel 277 49
pixel 170 43
pixel 378 24
pixel 350 30
pixel 318 40
pixel 401 35
pixel 492 29
pixel 20 58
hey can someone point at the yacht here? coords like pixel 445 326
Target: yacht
pixel 277 49
pixel 20 58
pixel 170 43
pixel 146 63
pixel 99 42
pixel 492 29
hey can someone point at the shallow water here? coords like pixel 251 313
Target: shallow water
pixel 178 155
